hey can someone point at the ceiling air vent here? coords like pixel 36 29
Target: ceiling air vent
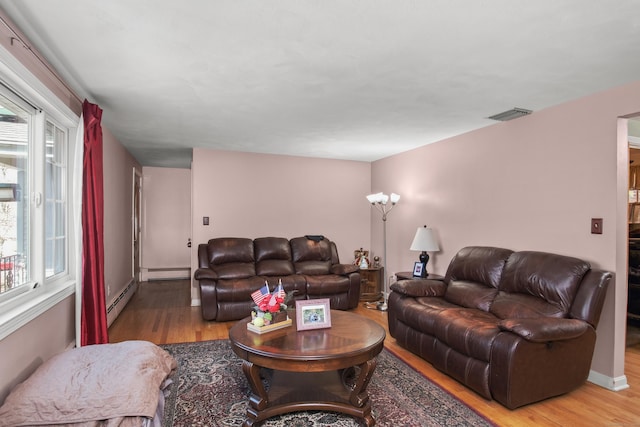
pixel 510 114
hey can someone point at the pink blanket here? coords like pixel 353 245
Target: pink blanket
pixel 97 382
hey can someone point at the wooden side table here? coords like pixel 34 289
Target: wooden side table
pixel 404 275
pixel 371 282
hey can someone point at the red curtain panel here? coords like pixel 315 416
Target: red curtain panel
pixel 94 312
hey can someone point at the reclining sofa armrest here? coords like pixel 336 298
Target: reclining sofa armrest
pixel 588 302
pixel 203 255
pixel 420 288
pixel 343 269
pixel 545 329
pixel 207 281
pixel 205 273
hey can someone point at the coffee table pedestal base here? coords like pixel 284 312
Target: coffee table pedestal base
pixel 343 391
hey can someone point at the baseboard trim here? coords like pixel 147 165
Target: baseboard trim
pixel 610 383
pixel 178 273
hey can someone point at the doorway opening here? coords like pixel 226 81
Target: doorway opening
pixel 633 283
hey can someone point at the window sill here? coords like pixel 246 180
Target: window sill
pixel 18 312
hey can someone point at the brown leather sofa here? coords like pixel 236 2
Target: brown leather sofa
pixel 231 269
pixel 517 327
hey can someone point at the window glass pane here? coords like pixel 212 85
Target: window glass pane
pixel 56 203
pixel 60 221
pixel 49 228
pixel 15 125
pixel 60 250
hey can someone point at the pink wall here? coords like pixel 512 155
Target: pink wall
pixel 529 184
pixel 166 224
pixel 25 349
pixel 258 195
pixel 118 181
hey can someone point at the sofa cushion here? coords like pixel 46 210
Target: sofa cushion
pixel 467 330
pixel 226 250
pixel 523 306
pixel 538 284
pixel 238 290
pixel 235 270
pixel 231 258
pixel 478 264
pixel 327 284
pixel 311 256
pixel 273 256
pixel 421 313
pixel 294 282
pixel 470 294
pixel 420 288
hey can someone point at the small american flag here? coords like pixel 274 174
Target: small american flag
pixel 261 294
pixel 279 291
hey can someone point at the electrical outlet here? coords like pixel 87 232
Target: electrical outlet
pixel 596 225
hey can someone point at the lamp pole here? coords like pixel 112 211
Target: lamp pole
pixel 379 201
pixel 383 305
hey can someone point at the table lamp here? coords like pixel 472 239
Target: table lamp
pixel 424 241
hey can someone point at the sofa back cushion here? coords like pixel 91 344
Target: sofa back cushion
pixel 481 264
pixel 538 284
pixel 470 294
pixel 231 257
pixel 273 256
pixel 473 276
pixel 311 256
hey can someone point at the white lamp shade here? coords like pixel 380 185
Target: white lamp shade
pixel 374 198
pixel 424 240
pixel 383 198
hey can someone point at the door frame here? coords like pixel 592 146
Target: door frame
pixel 136 225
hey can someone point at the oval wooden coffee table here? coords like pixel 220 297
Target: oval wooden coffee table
pixel 319 369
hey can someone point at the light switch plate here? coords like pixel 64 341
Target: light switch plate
pixel 205 220
pixel 596 225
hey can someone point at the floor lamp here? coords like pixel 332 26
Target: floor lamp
pixel 379 201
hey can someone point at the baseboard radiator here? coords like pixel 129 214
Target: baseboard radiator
pixel 116 306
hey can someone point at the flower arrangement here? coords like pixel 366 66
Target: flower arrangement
pixel 270 308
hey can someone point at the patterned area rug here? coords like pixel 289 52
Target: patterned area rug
pixel 210 389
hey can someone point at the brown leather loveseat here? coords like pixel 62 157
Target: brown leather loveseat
pixel 517 327
pixel 231 269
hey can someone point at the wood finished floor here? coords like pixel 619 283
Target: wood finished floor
pixel 160 312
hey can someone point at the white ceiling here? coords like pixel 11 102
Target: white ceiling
pixel 343 79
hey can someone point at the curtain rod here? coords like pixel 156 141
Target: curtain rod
pixel 41 60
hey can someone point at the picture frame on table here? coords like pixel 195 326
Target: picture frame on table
pixel 313 314
pixel 417 269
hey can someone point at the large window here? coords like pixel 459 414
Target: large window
pixel 37 168
pixel 34 150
